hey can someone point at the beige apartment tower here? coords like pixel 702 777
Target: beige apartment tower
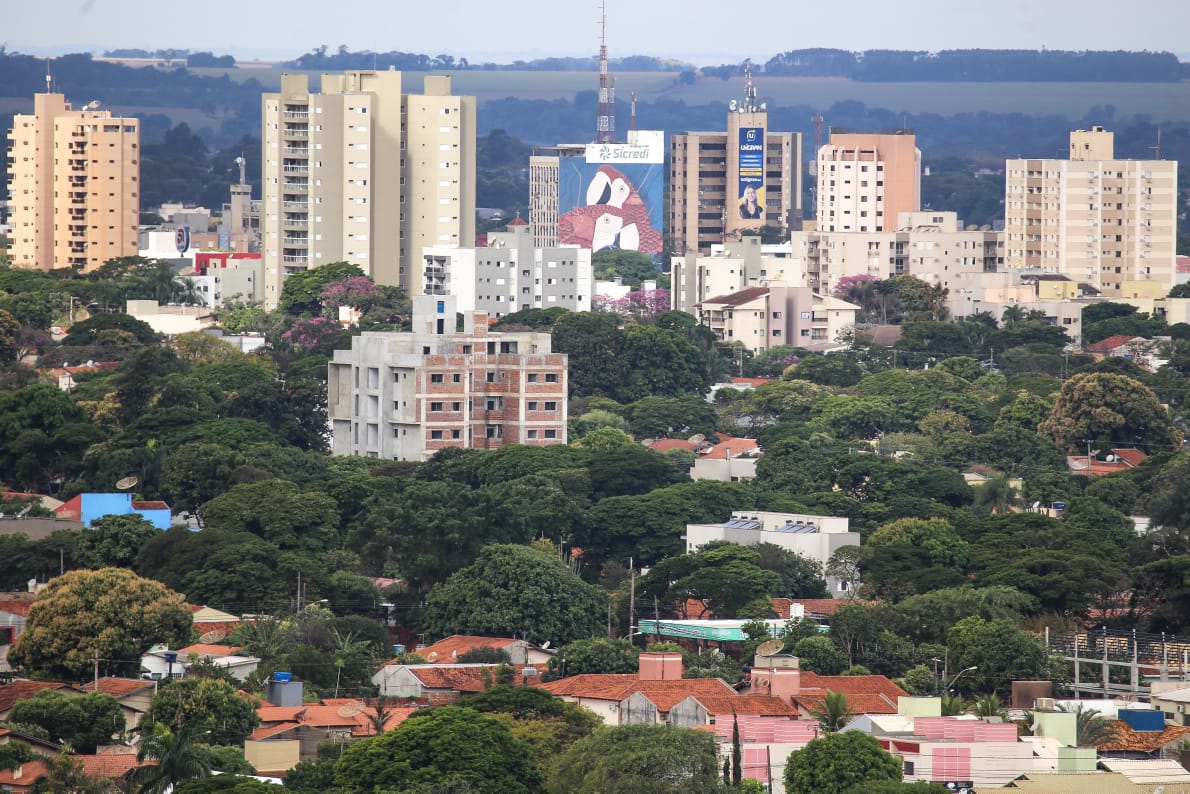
pixel 866 180
pixel 365 173
pixel 74 185
pixel 1100 221
pixel 725 183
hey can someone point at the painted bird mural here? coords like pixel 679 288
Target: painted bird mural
pixel 615 216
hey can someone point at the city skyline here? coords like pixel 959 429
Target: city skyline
pixel 694 30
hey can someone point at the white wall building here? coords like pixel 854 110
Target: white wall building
pixel 813 537
pixel 510 274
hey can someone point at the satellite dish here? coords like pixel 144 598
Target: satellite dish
pixel 545 645
pixel 212 636
pixel 697 438
pixel 769 647
pixel 349 710
pixel 433 657
pixel 1036 505
pixel 124 483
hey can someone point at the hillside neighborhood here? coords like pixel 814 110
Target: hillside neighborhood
pixel 707 459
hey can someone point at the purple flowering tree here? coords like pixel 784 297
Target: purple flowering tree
pixel 358 292
pixel 641 304
pixel 317 335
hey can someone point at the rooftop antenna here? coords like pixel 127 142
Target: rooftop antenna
pixel 1157 149
pixel 605 130
pixel 817 120
pixel 242 163
pixel 632 118
pixel 49 80
pixel 749 104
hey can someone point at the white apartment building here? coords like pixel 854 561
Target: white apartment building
pixel 777 314
pixel 510 274
pixel 932 246
pixel 866 180
pixel 730 267
pixel 365 173
pixel 403 396
pixel 1099 220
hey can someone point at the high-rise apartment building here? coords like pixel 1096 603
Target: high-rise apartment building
pixel 722 183
pixel 365 173
pixel 510 274
pixel 866 180
pixel 74 185
pixel 1095 219
pixel 403 396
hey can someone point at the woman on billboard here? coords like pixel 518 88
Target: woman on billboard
pixel 750 209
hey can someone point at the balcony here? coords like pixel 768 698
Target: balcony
pixel 294 151
pixel 295 205
pixel 296 115
pixel 296 241
pixel 296 187
pixel 295 223
pixel 296 169
pixel 295 259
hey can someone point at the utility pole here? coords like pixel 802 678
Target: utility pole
pixel 95 659
pixel 299 593
pixel 631 596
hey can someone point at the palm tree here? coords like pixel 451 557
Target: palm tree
pixel 187 293
pixel 265 638
pixel 953 705
pixel 989 706
pixel 996 495
pixel 178 758
pixel 1092 729
pixel 834 712
pixel 1012 315
pixel 347 650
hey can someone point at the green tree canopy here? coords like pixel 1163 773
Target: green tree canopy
pixel 1001 652
pixel 450 743
pixel 595 655
pixel 838 762
pixel 114 541
pixel 723 576
pixel 211 709
pixel 515 591
pixel 110 614
pixel 82 721
pixel 641 758
pixel 1108 409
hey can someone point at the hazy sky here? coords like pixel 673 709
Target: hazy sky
pixel 702 31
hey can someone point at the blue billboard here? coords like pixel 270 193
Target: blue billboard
pixel 750 192
pixel 612 197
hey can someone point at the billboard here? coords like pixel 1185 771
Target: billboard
pixel 750 189
pixel 611 198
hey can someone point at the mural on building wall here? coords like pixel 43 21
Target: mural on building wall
pixel 612 199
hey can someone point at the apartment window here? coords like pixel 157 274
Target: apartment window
pixel 532 434
pixel 532 406
pixel 456 406
pixel 494 431
pixel 435 406
pixel 456 434
pixel 551 377
pixel 532 377
pixel 551 406
pixel 456 378
pixel 491 377
pixel 435 435
pixel 373 378
pixel 551 433
pixel 437 377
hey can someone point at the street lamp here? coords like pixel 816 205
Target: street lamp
pixel 959 674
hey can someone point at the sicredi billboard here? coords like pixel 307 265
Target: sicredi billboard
pixel 612 197
pixel 750 193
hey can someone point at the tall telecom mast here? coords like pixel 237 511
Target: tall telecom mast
pixel 605 130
